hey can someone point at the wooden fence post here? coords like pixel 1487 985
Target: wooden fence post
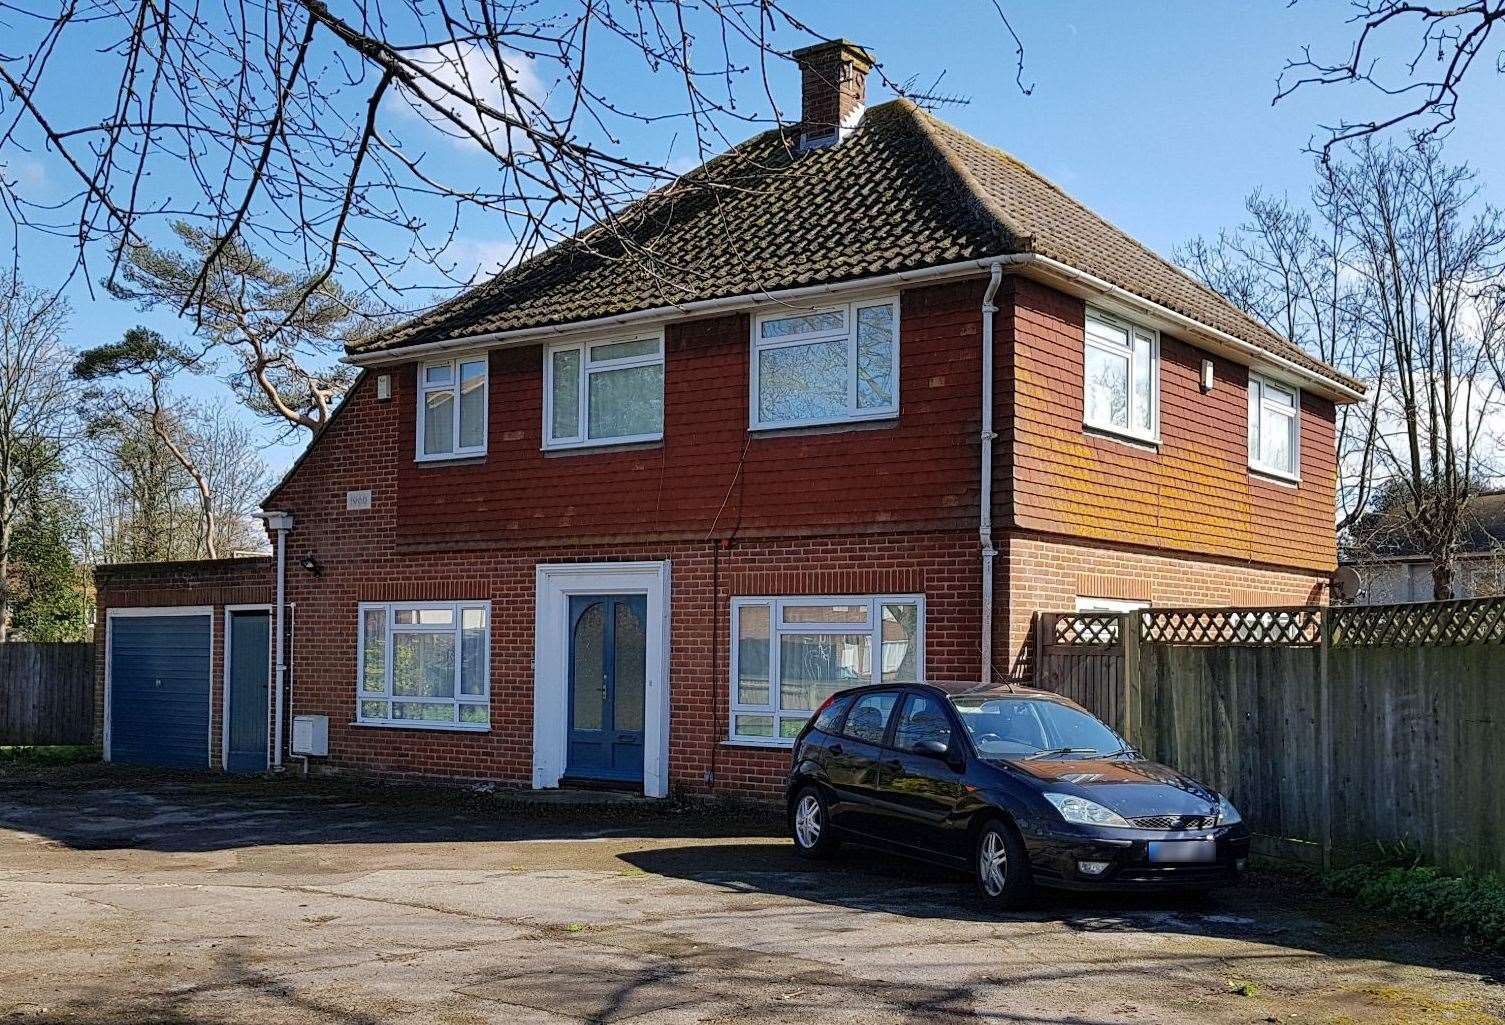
pixel 1325 739
pixel 1129 645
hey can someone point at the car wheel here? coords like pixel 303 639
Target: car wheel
pixel 810 824
pixel 1001 867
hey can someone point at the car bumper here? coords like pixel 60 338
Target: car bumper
pixel 1067 861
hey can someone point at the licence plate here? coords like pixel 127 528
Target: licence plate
pixel 1183 851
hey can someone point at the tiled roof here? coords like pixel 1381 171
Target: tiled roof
pixel 906 191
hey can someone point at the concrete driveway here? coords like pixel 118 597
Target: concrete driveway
pixel 132 897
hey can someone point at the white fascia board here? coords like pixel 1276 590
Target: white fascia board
pixel 1040 268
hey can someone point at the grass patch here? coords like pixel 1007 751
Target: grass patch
pixel 1469 905
pixel 62 754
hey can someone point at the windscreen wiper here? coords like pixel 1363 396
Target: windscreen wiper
pixel 1061 751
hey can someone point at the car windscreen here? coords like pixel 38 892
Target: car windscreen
pixel 1003 726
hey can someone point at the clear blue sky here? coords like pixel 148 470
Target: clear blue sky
pixel 1158 116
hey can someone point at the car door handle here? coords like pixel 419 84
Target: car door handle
pixel 895 766
pixel 836 749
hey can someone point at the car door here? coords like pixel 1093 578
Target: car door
pixel 919 792
pixel 853 761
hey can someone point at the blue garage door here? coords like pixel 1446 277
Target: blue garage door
pixel 159 690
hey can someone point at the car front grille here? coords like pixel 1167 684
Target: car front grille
pixel 1175 822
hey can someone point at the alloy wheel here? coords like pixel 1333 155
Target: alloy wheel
pixel 992 862
pixel 807 824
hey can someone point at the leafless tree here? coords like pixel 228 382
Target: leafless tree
pixel 364 138
pixel 237 476
pixel 1290 267
pixel 1415 56
pixel 140 504
pixel 1392 275
pixel 1428 251
pixel 145 354
pixel 36 409
pixel 134 494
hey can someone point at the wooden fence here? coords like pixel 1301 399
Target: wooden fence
pixel 1331 730
pixel 46 693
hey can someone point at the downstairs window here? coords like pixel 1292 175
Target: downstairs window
pixel 424 664
pixel 790 654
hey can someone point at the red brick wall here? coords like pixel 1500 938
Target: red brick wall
pixel 246 581
pixel 1048 574
pixel 709 474
pixel 365 558
pixel 704 578
pixel 1195 494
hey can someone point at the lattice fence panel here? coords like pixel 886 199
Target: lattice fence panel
pixel 1098 629
pixel 1295 626
pixel 1432 624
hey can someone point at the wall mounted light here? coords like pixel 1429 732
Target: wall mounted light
pixel 1207 375
pixel 311 563
pixel 383 387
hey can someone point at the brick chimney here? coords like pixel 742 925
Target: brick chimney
pixel 833 90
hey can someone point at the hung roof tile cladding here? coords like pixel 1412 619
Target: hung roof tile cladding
pixel 906 191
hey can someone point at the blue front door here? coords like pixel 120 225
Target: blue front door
pixel 608 668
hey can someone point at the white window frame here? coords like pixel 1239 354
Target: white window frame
pixel 588 366
pixel 424 390
pixel 454 628
pixel 873 627
pixel 1152 436
pixel 1258 403
pixel 848 332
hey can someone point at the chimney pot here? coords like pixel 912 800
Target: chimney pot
pixel 833 90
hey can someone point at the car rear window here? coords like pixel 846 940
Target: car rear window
pixel 832 713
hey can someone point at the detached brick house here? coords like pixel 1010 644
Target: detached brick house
pixel 853 403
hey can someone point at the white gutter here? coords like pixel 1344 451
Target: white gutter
pixel 985 514
pixel 281 522
pixel 1031 263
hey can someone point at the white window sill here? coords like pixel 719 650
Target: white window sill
pixel 579 446
pixel 442 727
pixel 451 457
pixel 1275 476
pixel 840 421
pixel 765 744
pixel 1140 441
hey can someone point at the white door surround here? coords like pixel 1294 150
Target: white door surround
pixel 555 583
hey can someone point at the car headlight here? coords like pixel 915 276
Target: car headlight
pixel 1085 812
pixel 1227 813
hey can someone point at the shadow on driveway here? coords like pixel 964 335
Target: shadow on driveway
pixel 105 808
pixel 1267 909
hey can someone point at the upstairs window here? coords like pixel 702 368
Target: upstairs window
pixel 831 365
pixel 604 393
pixel 1121 380
pixel 452 408
pixel 790 654
pixel 1274 428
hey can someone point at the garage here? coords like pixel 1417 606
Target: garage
pixel 157 687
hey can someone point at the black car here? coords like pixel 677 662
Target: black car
pixel 1019 786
